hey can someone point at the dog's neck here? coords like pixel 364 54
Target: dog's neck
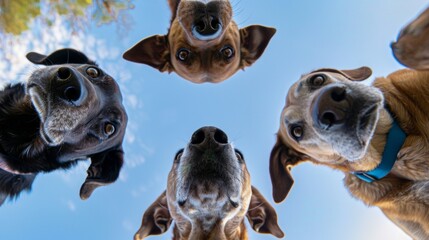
pixel 20 140
pixel 233 230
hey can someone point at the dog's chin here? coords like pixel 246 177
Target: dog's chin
pixel 359 141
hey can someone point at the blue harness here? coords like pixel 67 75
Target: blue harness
pixel 395 140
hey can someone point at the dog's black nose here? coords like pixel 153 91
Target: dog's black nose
pixel 207 27
pixel 330 107
pixel 209 135
pixel 68 85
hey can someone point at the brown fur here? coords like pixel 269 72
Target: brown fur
pixel 206 61
pixel 403 195
pixel 411 47
pixel 204 209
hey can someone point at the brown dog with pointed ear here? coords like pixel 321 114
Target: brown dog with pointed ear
pixel 203 43
pixel 333 120
pixel 208 195
pixel 411 47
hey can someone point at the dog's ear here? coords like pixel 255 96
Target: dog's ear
pixel 254 40
pixel 61 56
pixel 262 216
pixel 153 51
pixel 156 219
pixel 104 169
pixel 358 74
pixel 282 159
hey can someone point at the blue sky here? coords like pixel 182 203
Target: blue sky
pixel 164 110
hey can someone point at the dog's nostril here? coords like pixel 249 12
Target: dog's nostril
pixel 214 23
pixel 338 94
pixel 200 26
pixel 63 73
pixel 328 119
pixel 198 137
pixel 220 137
pixel 72 93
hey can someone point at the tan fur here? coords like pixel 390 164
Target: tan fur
pixel 204 209
pixel 403 195
pixel 206 61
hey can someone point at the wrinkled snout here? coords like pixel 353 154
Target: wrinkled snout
pixel 68 85
pixel 330 107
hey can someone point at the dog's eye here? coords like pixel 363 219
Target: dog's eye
pixel 109 129
pixel 92 72
pixel 317 80
pixel 183 54
pixel 227 52
pixel 239 155
pixel 178 155
pixel 297 132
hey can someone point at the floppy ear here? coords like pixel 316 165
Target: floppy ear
pixel 61 56
pixel 254 40
pixel 153 51
pixel 104 169
pixel 262 216
pixel 282 158
pixel 357 74
pixel 156 219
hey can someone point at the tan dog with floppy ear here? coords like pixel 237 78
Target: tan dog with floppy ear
pixel 376 135
pixel 203 43
pixel 209 194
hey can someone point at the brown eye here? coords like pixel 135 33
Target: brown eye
pixel 297 132
pixel 183 54
pixel 227 52
pixel 317 80
pixel 92 72
pixel 109 129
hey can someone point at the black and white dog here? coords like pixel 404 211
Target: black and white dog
pixel 68 111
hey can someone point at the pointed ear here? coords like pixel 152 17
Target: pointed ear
pixel 156 219
pixel 282 159
pixel 153 51
pixel 104 169
pixel 262 216
pixel 61 56
pixel 254 40
pixel 357 74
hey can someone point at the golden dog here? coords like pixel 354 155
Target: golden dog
pixel 209 194
pixel 203 43
pixel 331 119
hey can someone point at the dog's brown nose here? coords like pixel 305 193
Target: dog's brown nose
pixel 330 107
pixel 209 135
pixel 68 86
pixel 207 27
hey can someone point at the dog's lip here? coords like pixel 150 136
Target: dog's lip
pixel 366 121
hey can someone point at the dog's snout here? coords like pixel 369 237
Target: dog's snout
pixel 330 107
pixel 209 135
pixel 68 86
pixel 207 27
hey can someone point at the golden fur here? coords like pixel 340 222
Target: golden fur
pixel 403 195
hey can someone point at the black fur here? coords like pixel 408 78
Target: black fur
pixel 26 153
